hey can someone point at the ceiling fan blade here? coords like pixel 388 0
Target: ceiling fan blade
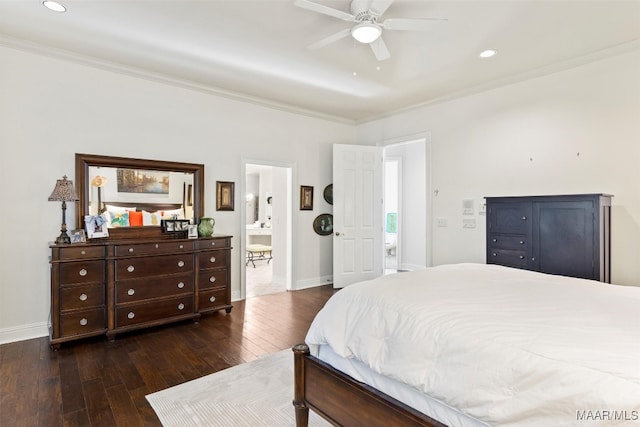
pixel 403 24
pixel 315 7
pixel 328 40
pixel 379 49
pixel 379 6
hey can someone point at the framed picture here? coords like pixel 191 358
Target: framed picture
pixel 78 236
pixel 96 226
pixel 323 224
pixel 224 196
pixel 328 194
pixel 306 198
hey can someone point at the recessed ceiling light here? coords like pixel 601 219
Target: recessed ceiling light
pixel 487 53
pixel 55 6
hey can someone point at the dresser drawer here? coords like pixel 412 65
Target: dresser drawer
pixel 152 248
pixel 212 259
pixel 214 243
pixel 508 258
pixel 132 268
pixel 81 252
pixel 81 297
pixel 141 289
pixel 81 272
pixel 212 299
pixel 151 311
pixel 501 241
pixel 212 278
pixel 82 322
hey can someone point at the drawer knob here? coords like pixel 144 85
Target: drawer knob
pixel 494 254
pixel 83 252
pixel 213 243
pixel 130 268
pixel 83 322
pixel 83 297
pixel 212 279
pixel 130 249
pixel 521 256
pixel 212 259
pixel 494 240
pixel 131 315
pixel 181 246
pixel 131 291
pixel 180 285
pixel 212 299
pixel 180 263
pixel 522 242
pixel 181 306
pixel 82 272
pixel 157 246
pixel 524 218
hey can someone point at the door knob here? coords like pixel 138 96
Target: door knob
pixel 337 233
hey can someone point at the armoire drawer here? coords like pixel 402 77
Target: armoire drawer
pixel 131 268
pixel 82 322
pixel 508 258
pixel 212 299
pixel 212 259
pixel 155 310
pixel 212 278
pixel 81 297
pixel 509 241
pixel 81 272
pixel 141 289
pixel 152 248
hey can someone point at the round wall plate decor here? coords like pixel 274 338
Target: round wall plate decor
pixel 328 194
pixel 323 224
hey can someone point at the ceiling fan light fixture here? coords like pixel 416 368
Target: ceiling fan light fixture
pixel 366 32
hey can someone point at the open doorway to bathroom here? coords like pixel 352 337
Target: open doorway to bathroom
pixel 267 227
pixel 392 225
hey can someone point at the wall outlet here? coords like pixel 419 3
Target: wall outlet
pixel 469 223
pixel 442 222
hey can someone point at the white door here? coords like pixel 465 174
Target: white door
pixel 357 214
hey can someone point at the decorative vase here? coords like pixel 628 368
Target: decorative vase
pixel 205 228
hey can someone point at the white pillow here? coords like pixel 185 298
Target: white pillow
pixel 119 209
pixel 151 218
pixel 170 213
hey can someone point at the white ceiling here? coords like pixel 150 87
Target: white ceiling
pixel 256 50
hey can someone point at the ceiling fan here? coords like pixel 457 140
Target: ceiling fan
pixel 368 30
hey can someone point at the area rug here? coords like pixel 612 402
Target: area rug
pixel 257 393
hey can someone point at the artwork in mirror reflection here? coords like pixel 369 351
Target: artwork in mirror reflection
pixel 138 197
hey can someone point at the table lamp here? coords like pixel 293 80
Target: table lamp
pixel 63 192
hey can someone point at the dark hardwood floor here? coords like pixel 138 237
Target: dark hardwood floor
pixel 99 383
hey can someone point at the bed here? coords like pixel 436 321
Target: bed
pixel 473 345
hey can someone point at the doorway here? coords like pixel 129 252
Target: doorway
pixel 265 237
pixel 392 215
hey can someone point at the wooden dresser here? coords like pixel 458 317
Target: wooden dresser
pixel 112 287
pixel 567 235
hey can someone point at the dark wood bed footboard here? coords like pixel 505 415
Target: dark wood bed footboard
pixel 343 401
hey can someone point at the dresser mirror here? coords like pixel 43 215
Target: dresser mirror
pixel 134 195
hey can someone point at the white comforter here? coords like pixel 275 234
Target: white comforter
pixel 506 346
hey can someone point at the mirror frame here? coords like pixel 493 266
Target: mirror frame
pixel 84 161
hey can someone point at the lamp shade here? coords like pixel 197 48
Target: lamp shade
pixel 99 181
pixel 366 32
pixel 63 191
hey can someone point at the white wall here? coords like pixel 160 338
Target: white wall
pixel 576 131
pixel 52 108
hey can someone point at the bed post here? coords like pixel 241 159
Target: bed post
pixel 301 409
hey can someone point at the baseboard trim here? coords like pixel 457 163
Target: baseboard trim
pixel 24 332
pixel 312 283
